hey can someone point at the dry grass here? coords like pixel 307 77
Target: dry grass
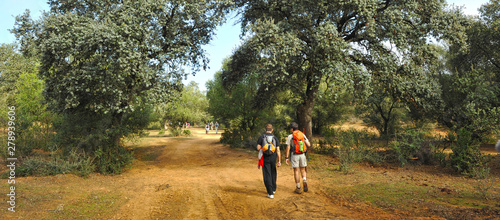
pixel 413 191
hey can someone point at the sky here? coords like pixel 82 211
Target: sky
pixel 226 40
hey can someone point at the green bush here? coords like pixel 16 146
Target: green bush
pixel 326 146
pixel 186 133
pixel 438 151
pixel 161 132
pixel 235 138
pixel 112 160
pixel 33 121
pixel 41 167
pixel 175 131
pixel 346 155
pixel 232 137
pixel 409 144
pixel 329 132
pixel 354 147
pixel 79 164
pixel 466 157
pixel 155 125
pixel 33 137
pixel 99 135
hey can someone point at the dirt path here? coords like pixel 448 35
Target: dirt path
pixel 198 178
pixel 182 178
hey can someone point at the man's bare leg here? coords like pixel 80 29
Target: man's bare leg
pixel 296 175
pixel 304 179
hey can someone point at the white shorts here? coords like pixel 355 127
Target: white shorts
pixel 298 160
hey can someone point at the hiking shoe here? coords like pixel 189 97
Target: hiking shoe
pixel 298 191
pixel 305 187
pixel 270 196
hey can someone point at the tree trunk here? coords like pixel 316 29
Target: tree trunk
pixel 304 115
pixel 305 110
pixel 116 124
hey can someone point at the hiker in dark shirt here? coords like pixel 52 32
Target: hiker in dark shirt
pixel 269 167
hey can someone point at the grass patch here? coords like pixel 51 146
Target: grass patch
pixel 63 197
pixel 423 190
pixel 93 205
pixel 397 195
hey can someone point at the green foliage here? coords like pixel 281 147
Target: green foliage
pixel 410 144
pixel 237 138
pixel 12 66
pixel 466 157
pixel 79 164
pixel 175 131
pixel 235 105
pixel 34 121
pixel 186 133
pixel 161 132
pixel 104 62
pixel 231 137
pixel 325 147
pixel 383 113
pixel 112 160
pixel 357 146
pixel 190 106
pixel 399 92
pixel 243 114
pixel 329 144
pixel 351 146
pixel 90 133
pixel 420 147
pixel 473 103
pixel 155 125
pixel 341 43
pixel 22 89
pixel 471 90
pixel 103 57
pixel 438 151
pixel 330 107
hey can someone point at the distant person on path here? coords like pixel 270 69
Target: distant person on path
pixel 216 127
pixel 297 144
pixel 498 146
pixel 270 148
pixel 207 127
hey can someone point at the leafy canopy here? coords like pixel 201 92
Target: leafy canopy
pixel 104 56
pixel 471 89
pixel 104 62
pixel 295 45
pixel 191 106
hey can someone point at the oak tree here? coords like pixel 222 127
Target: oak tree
pixel 104 61
pixel 297 45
